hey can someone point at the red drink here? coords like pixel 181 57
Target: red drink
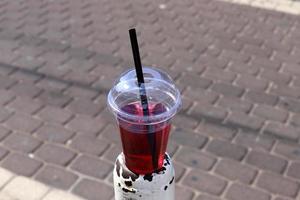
pixel 144 146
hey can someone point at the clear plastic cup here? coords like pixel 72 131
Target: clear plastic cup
pixel 144 137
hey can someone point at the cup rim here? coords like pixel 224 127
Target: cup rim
pixel 151 119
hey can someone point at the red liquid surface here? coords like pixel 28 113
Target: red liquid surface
pixel 144 146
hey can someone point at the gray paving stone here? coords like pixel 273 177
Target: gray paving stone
pixel 204 182
pixel 21 164
pixel 92 190
pixel 225 149
pixel 57 177
pixel 274 183
pixel 238 191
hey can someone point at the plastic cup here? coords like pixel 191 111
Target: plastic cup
pixel 144 138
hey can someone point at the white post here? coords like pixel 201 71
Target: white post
pixel 160 185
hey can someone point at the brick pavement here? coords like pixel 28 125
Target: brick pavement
pixel 14 187
pixel 237 136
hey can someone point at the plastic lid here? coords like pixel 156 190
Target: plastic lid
pixel 160 89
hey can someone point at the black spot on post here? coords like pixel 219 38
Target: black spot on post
pixel 166 187
pixel 126 190
pixel 171 181
pixel 118 166
pixel 128 183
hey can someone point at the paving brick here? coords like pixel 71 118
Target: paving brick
pixel 52 84
pixel 23 122
pixel 254 141
pixel 207 197
pixel 225 149
pixel 3 152
pixel 86 125
pixel 112 153
pixel 195 158
pixel 77 64
pixel 93 190
pixel 172 148
pixel 282 131
pixel 184 121
pixel 236 56
pixel 216 130
pixel 295 120
pixel 3 132
pixel 80 78
pixel 26 105
pixel 243 121
pixel 277 184
pixel 54 133
pixel 266 161
pixel 180 170
pixel 193 94
pixel 236 171
pixel 50 69
pixel 242 68
pixel 57 177
pixel 252 83
pixel 208 112
pixel 227 89
pixel 21 142
pixel 21 188
pixel 282 198
pixel 5 114
pixel 26 90
pixel 270 113
pixel 54 98
pixel 25 76
pixel 276 77
pixel 6 82
pixel 289 104
pixel 291 151
pixel 81 92
pixel 186 137
pixel 265 63
pixel 294 170
pixel 183 193
pixel 257 51
pixel 111 133
pixel 212 61
pixel 55 154
pixel 285 91
pixel 291 69
pixel 84 107
pixel 21 164
pixel 6 96
pixel 204 182
pixel 261 97
pixel 90 145
pixel 104 84
pixel 238 191
pixel 195 81
pixel 92 166
pixel 54 114
pixel 58 194
pixel 26 62
pixel 235 104
pixel 214 73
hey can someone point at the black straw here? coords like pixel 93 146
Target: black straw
pixel 144 101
